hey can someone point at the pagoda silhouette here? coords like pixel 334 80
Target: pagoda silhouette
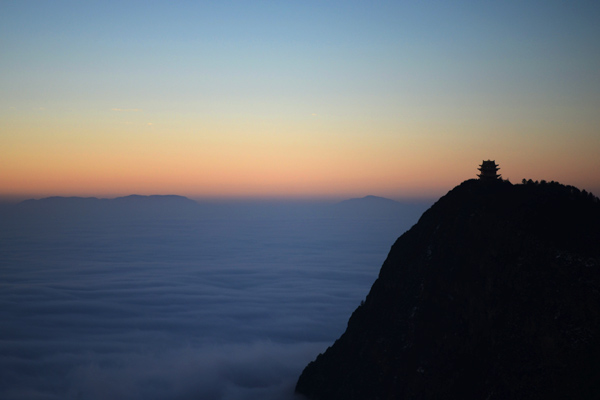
pixel 489 171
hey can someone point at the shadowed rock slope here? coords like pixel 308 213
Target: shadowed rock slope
pixel 493 294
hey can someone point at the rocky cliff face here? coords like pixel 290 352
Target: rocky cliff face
pixel 493 294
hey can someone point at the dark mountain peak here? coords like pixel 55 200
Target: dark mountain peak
pixel 561 215
pixel 494 293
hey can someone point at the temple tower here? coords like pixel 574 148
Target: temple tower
pixel 489 171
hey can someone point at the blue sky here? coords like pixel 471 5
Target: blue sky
pixel 338 83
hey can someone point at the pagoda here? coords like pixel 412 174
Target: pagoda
pixel 489 171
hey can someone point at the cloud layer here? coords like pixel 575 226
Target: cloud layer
pixel 202 308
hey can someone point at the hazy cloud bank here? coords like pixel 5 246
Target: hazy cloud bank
pixel 209 307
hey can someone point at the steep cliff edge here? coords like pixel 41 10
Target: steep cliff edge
pixel 493 294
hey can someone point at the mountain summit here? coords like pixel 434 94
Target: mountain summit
pixel 493 294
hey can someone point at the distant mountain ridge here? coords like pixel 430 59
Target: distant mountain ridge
pixel 369 198
pixel 129 198
pixel 121 207
pixel 378 207
pixel 493 294
pixel 174 205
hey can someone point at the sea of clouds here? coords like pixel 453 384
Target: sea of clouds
pixel 227 305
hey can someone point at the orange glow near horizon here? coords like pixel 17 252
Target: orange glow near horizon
pixel 266 158
pixel 262 169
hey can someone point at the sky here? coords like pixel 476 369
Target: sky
pixel 295 99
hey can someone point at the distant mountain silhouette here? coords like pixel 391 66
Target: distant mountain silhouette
pixel 370 200
pixel 493 294
pixel 377 207
pixel 57 209
pixel 133 206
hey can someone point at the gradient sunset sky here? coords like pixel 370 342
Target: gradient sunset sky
pixel 295 98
